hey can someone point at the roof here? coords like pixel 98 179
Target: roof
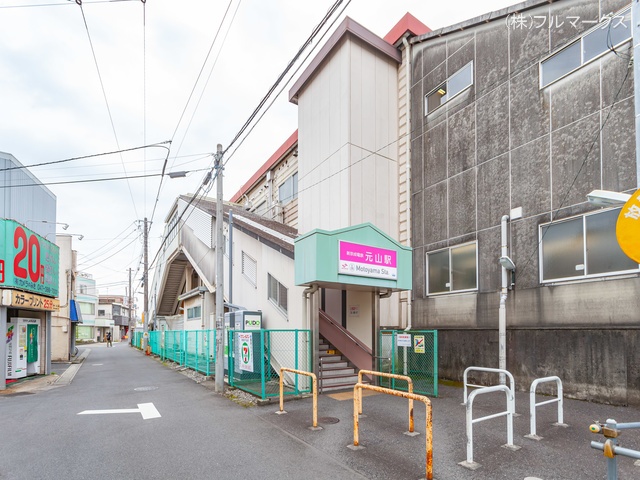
pixel 407 24
pixel 347 27
pixel 273 159
pixel 274 234
pixel 482 19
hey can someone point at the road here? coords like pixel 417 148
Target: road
pixel 199 434
pixel 127 416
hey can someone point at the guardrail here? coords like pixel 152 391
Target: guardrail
pixel 486 369
pixel 611 430
pixel 357 395
pixel 314 390
pixel 532 405
pixel 469 463
pixel 409 381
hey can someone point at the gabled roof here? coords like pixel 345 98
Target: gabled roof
pixel 273 159
pixel 407 24
pixel 347 27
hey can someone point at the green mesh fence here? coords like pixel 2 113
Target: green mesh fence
pixel 258 355
pixel 412 353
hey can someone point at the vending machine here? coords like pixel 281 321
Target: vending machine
pixel 23 347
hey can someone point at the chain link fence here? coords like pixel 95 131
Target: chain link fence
pixel 255 360
pixel 258 355
pixel 412 353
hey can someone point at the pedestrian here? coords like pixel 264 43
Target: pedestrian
pixel 109 344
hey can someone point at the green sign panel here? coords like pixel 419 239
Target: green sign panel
pixel 27 261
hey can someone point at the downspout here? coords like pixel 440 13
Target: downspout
pixel 305 309
pixel 407 49
pixel 230 252
pixel 502 311
pixel 315 334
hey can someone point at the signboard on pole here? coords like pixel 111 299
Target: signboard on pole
pixel 628 227
pixel 403 339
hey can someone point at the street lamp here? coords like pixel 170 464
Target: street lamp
pixel 606 198
pixel 64 225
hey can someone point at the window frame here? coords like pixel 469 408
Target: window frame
pixel 445 85
pixel 290 182
pixel 277 301
pixel 451 292
pixel 621 13
pixel 253 281
pixel 585 263
pixel 196 310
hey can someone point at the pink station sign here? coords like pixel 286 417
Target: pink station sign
pixel 367 261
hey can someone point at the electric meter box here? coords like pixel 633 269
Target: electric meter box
pixel 243 320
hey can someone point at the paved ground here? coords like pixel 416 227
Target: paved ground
pixel 562 454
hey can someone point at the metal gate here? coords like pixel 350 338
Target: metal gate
pixel 412 353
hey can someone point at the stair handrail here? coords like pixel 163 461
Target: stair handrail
pixel 361 356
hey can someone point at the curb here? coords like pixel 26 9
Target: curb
pixel 67 377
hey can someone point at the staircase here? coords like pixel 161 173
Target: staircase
pixel 336 372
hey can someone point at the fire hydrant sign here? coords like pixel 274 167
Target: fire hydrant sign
pixel 628 227
pixel 246 351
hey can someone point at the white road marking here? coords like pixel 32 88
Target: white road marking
pixel 148 410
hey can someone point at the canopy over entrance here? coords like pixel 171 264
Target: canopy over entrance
pixel 361 257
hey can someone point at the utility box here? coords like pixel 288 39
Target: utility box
pixel 243 320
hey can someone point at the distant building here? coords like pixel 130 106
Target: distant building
pixel 115 308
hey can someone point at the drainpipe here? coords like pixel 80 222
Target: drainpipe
pixel 407 48
pixel 230 252
pixel 502 312
pixel 305 309
pixel 315 333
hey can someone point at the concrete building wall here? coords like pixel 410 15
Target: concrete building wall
pixel 506 143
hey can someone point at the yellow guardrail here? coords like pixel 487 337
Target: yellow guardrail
pixel 314 391
pixel 361 373
pixel 357 396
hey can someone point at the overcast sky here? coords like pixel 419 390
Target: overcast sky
pixel 114 75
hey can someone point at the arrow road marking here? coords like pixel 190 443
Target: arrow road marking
pixel 148 410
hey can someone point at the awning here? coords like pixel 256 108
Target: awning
pixel 75 315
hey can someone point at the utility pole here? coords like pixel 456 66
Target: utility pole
pixel 145 313
pixel 130 303
pixel 219 276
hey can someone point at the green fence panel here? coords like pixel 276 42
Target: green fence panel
pixel 412 353
pixel 256 357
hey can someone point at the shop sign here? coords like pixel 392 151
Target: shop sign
pixel 18 299
pixel 628 227
pixel 246 351
pixel 27 260
pixel 367 261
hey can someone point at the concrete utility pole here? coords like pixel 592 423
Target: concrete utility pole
pixel 129 302
pixel 219 276
pixel 145 313
pixel 635 33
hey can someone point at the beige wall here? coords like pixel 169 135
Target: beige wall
pixel 348 142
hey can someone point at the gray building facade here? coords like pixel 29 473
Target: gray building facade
pixel 523 112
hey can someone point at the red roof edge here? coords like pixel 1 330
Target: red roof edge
pixel 273 159
pixel 408 23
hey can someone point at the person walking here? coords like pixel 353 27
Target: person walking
pixel 109 344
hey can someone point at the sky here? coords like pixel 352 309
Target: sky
pixel 106 76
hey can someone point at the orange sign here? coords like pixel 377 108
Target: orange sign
pixel 628 227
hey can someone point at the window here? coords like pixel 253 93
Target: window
pixel 277 293
pixel 609 33
pixel 452 269
pixel 250 269
pixel 194 312
pixel 87 308
pixel 101 313
pixel 581 247
pixel 456 84
pixel 82 289
pixel 289 189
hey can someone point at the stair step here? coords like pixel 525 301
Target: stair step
pixel 348 379
pixel 329 372
pixel 331 358
pixel 326 366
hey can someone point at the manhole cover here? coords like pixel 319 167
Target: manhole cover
pixel 145 389
pixel 328 420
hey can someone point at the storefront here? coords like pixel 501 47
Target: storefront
pixel 28 290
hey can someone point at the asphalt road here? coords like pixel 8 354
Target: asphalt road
pixel 191 432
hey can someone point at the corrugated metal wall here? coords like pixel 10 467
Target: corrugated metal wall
pixel 25 203
pixel 200 222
